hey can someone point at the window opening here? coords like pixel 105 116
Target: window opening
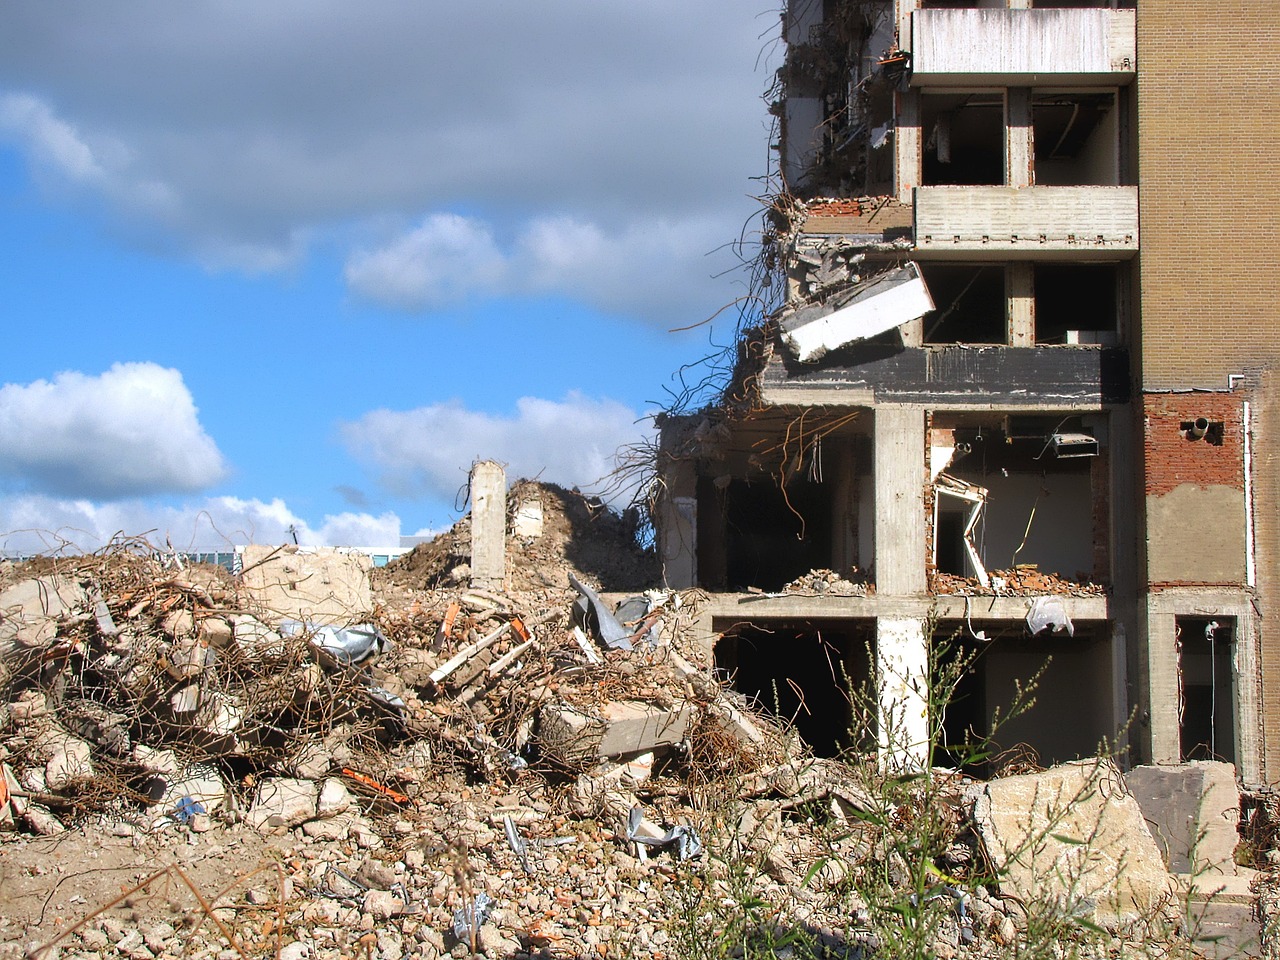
pixel 964 138
pixel 1076 139
pixel 1206 725
pixel 970 301
pixel 1075 303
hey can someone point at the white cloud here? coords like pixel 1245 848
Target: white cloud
pixel 36 523
pixel 240 136
pixel 649 268
pixel 131 431
pixel 441 262
pixel 428 451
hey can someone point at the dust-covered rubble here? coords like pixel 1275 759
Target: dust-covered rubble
pixel 323 760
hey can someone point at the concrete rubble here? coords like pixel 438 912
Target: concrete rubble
pixel 384 749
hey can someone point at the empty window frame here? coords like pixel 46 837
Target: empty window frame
pixel 970 301
pixel 1076 303
pixel 1077 139
pixel 1206 706
pixel 964 138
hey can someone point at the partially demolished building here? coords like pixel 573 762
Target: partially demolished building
pixel 988 410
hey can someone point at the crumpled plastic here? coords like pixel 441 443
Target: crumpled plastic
pixel 472 916
pixel 1048 612
pixel 596 617
pixel 356 645
pixel 684 838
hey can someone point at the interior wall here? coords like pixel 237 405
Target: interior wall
pixel 1072 712
pixel 1060 540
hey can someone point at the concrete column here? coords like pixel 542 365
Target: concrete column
pixel 912 332
pixel 1019 151
pixel 677 525
pixel 902 666
pixel 899 501
pixel 1020 290
pixel 488 525
pixel 908 162
pixel 1162 667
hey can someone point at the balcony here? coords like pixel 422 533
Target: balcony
pixel 1022 48
pixel 1030 221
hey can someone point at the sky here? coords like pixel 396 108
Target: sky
pixel 299 263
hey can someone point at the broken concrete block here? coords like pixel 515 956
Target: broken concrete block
pixel 1074 839
pixel 68 760
pixel 324 585
pixel 215 631
pixel 624 727
pixel 29 610
pixel 283 803
pixel 179 624
pixel 885 301
pixel 255 637
pixel 152 760
pixel 198 789
pixel 1193 810
pixel 334 799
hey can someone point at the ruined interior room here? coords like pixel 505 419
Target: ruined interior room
pixel 818 672
pixel 1072 713
pixel 1031 494
pixel 1206 685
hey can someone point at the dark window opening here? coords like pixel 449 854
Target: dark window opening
pixel 772 535
pixel 964 138
pixel 1075 303
pixel 1071 716
pixel 1206 708
pixel 1076 139
pixel 969 303
pixel 1111 4
pixel 817 676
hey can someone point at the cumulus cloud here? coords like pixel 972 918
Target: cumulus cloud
pixel 241 135
pixel 36 523
pixel 441 262
pixel 649 268
pixel 427 451
pixel 130 431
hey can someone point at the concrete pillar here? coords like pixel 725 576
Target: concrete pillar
pixel 902 667
pixel 488 525
pixel 908 162
pixel 1020 329
pixel 1019 138
pixel 912 332
pixel 1162 666
pixel 899 500
pixel 677 525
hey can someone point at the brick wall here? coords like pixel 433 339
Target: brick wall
pixel 1209 168
pixel 1172 459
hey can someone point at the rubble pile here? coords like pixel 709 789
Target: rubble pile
pixel 333 761
pixel 1023 580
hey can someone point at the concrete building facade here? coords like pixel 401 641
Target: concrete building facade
pixel 1015 399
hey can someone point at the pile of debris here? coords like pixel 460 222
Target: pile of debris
pixel 543 770
pixel 1023 580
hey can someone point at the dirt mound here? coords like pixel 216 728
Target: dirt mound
pixel 579 535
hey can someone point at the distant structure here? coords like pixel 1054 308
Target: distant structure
pixel 1019 390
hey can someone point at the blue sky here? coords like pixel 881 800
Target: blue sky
pixel 284 263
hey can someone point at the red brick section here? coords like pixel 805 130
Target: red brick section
pixel 1173 460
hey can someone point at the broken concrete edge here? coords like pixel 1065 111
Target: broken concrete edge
pixel 1072 840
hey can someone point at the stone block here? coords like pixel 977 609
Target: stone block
pixel 324 585
pixel 283 803
pixel 1193 812
pixel 29 610
pixel 613 730
pixel 1073 838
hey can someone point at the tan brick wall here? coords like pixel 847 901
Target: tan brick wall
pixel 1209 166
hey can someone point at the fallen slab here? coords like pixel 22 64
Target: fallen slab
pixel 1074 839
pixel 1193 811
pixel 614 729
pixel 321 585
